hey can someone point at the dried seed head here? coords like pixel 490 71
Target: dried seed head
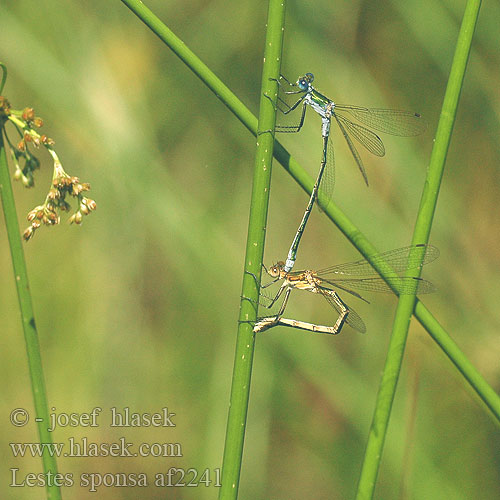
pixel 91 204
pixel 52 216
pixel 28 180
pixel 28 114
pixel 76 218
pixel 31 215
pixel 76 189
pixel 28 233
pixel 54 194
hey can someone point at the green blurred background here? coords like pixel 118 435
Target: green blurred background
pixel 138 307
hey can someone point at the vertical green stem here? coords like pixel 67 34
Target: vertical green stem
pixel 28 321
pixel 406 304
pixel 4 77
pixel 242 371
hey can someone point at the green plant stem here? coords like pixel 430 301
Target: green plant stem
pixel 242 371
pixel 333 211
pixel 4 77
pixel 406 304
pixel 28 320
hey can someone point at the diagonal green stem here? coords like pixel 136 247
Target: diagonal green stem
pixel 406 304
pixel 333 211
pixel 28 320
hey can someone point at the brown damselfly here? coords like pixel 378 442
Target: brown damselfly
pixel 359 275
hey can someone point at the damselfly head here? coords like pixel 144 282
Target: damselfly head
pixel 275 270
pixel 304 81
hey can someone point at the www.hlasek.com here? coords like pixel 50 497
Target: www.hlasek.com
pixel 85 448
pixel 173 477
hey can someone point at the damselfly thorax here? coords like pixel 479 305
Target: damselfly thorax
pixel 304 280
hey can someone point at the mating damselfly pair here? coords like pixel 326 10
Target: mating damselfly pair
pixel 346 277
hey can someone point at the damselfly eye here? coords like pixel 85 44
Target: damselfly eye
pixel 303 85
pixel 273 271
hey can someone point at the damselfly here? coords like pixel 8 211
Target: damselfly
pixel 358 275
pixel 395 122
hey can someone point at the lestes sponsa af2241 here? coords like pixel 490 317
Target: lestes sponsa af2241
pixel 358 275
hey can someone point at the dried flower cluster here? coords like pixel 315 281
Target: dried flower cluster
pixel 63 185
